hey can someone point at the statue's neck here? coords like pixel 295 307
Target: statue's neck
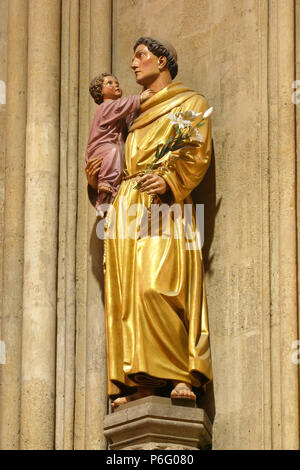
pixel 164 79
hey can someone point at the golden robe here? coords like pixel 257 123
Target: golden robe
pixel 155 302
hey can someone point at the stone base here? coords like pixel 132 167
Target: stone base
pixel 155 423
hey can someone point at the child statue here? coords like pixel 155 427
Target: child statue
pixel 108 133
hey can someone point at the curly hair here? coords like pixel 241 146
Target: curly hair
pixel 159 49
pixel 96 86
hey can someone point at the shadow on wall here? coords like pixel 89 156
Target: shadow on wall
pixel 205 194
pixel 96 249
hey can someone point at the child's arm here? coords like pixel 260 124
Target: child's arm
pixel 145 95
pixel 112 111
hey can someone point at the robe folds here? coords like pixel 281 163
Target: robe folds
pixel 155 301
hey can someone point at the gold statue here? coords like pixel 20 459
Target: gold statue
pixel 155 301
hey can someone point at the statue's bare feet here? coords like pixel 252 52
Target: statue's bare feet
pixel 183 390
pixel 141 393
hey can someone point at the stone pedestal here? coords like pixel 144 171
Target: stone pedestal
pixel 155 423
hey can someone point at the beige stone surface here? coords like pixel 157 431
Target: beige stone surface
pixel 297 75
pixel 96 409
pixel 154 422
pixel 240 54
pixel 224 50
pixel 91 399
pixel 41 224
pixel 66 298
pixel 13 230
pixel 285 379
pixel 3 79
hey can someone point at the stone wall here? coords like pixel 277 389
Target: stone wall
pixel 240 55
pixel 3 65
pixel 225 48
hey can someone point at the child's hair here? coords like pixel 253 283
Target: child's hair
pixel 96 86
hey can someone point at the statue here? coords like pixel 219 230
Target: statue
pixel 108 132
pixel 155 301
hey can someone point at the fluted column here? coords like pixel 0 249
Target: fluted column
pixel 284 327
pixel 41 220
pixel 96 357
pixel 10 392
pixel 82 220
pixel 95 57
pixel 287 228
pixel 65 371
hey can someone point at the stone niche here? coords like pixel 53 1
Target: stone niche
pixel 157 423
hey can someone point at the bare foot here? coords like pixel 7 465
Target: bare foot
pixel 183 390
pixel 141 393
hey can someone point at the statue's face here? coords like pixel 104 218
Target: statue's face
pixel 110 88
pixel 145 65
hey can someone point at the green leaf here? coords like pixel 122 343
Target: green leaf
pixel 201 124
pixel 165 148
pixel 157 153
pixel 178 146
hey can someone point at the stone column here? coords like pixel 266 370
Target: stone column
pixel 65 371
pixel 14 224
pixel 90 406
pixel 3 83
pixel 297 20
pixel 285 415
pixel 41 221
pixel 81 242
pixel 96 388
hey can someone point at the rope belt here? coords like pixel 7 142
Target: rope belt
pixel 134 175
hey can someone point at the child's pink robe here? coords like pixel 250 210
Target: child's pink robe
pixel 106 140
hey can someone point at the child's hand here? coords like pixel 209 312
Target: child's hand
pixel 145 95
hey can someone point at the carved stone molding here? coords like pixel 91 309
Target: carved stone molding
pixel 155 423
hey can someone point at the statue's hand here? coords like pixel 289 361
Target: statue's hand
pixel 91 170
pixel 152 184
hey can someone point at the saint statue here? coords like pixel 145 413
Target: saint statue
pixel 155 300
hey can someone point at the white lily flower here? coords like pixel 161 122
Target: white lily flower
pixel 183 123
pixel 208 112
pixel 197 136
pixel 172 117
pixel 176 120
pixel 190 115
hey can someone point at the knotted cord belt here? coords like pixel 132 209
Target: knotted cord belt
pixel 125 177
pixel 134 175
